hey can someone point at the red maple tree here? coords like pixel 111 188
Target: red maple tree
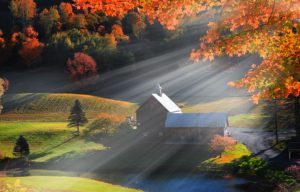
pixel 81 66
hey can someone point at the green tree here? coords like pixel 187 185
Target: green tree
pixel 77 117
pixel 21 148
pixel 80 22
pixel 49 20
pixel 24 10
pixel 4 83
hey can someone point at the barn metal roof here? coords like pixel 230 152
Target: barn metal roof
pixel 196 120
pixel 167 103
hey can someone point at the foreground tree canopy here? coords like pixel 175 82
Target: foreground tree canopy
pixel 268 28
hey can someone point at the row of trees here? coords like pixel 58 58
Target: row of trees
pixel 62 30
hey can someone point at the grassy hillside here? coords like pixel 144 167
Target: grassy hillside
pixel 56 107
pixel 64 184
pixel 41 118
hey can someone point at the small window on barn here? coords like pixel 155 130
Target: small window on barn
pixel 160 134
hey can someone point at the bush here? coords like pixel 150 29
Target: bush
pixel 102 127
pixel 16 187
pixel 258 166
pixel 294 170
pixel 251 165
pixel 281 177
pixel 81 66
pixel 220 143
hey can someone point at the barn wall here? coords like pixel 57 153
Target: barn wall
pixel 201 135
pixel 151 117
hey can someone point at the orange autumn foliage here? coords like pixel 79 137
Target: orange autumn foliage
pixel 168 13
pixel 117 32
pixel 2 40
pixel 115 118
pixel 267 28
pixel 30 46
pixel 221 143
pixel 66 13
pixel 31 50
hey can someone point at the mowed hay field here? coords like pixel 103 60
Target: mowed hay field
pixel 42 119
pixel 62 184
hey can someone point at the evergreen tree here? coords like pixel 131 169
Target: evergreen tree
pixel 77 117
pixel 21 148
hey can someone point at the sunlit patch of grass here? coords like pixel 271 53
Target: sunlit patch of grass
pixel 238 151
pixel 230 104
pixel 249 120
pixel 63 184
pixel 242 112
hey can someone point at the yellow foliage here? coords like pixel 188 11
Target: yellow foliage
pixel 15 187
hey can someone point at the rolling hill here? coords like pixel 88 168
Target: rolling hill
pixel 42 119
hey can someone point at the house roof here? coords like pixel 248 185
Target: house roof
pixel 196 120
pixel 165 101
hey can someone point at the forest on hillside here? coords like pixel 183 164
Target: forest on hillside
pixel 35 33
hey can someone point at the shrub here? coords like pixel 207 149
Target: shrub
pixel 294 170
pixel 251 165
pixel 279 177
pixel 81 66
pixel 16 187
pixel 220 143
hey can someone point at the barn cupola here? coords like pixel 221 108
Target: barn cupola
pixel 158 89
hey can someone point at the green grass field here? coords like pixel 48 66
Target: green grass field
pixel 42 119
pixel 64 184
pixel 242 112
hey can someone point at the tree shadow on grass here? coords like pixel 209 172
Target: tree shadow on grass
pixel 48 150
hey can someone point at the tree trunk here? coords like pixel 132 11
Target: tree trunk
pixel 78 130
pixel 297 116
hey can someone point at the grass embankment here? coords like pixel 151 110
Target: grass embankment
pixel 64 184
pixel 238 151
pixel 42 119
